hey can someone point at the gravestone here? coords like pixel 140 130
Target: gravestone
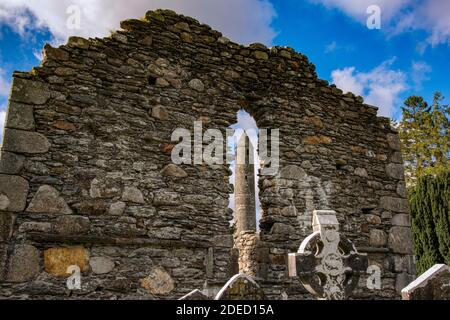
pixel 195 295
pixel 327 263
pixel 241 287
pixel 433 284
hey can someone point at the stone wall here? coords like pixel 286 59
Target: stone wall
pixel 87 178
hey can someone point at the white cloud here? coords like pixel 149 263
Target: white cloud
pixel 358 8
pixel 380 87
pixel 334 46
pixel 2 124
pixel 244 21
pixel 402 15
pixel 419 73
pixel 347 80
pixel 38 54
pixel 4 83
pixel 15 18
pixel 331 47
pixel 430 15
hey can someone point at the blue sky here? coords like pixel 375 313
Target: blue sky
pixel 408 55
pixel 333 40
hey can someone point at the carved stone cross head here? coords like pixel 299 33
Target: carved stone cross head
pixel 327 263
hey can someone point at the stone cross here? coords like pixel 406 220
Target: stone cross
pixel 327 263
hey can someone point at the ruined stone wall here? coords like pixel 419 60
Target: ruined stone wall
pixel 86 176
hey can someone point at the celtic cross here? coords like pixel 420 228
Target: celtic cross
pixel 327 263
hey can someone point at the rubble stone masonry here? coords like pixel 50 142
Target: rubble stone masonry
pixel 86 176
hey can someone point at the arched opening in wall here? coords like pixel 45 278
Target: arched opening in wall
pixel 246 124
pixel 244 201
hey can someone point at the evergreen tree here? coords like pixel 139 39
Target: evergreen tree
pixel 430 204
pixel 424 132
